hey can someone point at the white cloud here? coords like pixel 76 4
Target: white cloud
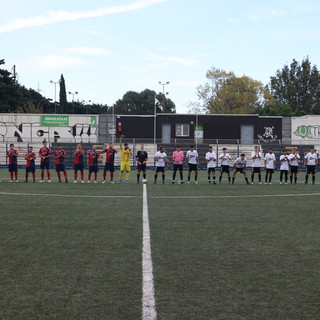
pixel 264 14
pixel 277 13
pixel 233 20
pixel 88 51
pixel 60 16
pixel 57 62
pixel 188 62
pixel 94 33
pixel 303 7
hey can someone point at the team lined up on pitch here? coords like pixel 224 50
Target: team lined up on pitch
pixel 289 163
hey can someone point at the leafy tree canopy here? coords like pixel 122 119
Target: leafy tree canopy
pixel 143 103
pixel 226 93
pixel 297 85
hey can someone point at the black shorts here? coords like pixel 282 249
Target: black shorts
pixel 193 167
pixel 60 167
pixel 159 169
pixel 93 169
pixel 109 167
pixel 13 167
pixel 311 169
pixel 45 165
pixel 271 171
pixel 142 167
pixel 256 169
pixel 294 169
pixel 225 169
pixel 177 167
pixel 211 169
pixel 78 166
pixel 31 169
pixel 240 170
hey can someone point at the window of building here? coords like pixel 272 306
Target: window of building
pixel 182 129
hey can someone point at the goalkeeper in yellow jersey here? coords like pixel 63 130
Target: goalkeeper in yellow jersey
pixel 125 160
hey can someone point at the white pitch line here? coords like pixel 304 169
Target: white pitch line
pixel 63 195
pixel 149 311
pixel 160 197
pixel 230 196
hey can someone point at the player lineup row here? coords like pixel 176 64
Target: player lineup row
pixel 288 163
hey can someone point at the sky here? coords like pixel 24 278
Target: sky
pixel 105 48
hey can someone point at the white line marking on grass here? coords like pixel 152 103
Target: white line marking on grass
pixel 246 196
pixel 148 300
pixel 63 195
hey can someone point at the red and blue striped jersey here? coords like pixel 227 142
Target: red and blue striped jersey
pixel 12 156
pixel 78 156
pixel 30 157
pixel 93 158
pixel 44 152
pixel 59 156
pixel 109 155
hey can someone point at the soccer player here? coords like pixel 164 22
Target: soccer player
pixel 256 164
pixel 270 165
pixel 12 155
pixel 193 162
pixel 44 154
pixel 30 164
pixel 59 156
pixel 93 164
pixel 160 159
pixel 211 158
pixel 109 162
pixel 141 158
pixel 225 160
pixel 310 161
pixel 294 165
pixel 284 166
pixel 178 157
pixel 125 160
pixel 78 163
pixel 239 166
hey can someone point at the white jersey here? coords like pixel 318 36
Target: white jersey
pixel 256 157
pixel 294 159
pixel 270 158
pixel 284 162
pixel 160 156
pixel 211 156
pixel 192 156
pixel 311 158
pixel 225 159
pixel 241 163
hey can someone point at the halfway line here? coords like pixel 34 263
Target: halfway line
pixel 148 300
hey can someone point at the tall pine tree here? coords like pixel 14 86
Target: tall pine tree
pixel 63 96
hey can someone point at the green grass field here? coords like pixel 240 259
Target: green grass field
pixel 73 251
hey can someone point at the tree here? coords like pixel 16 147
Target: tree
pixel 85 108
pixel 276 109
pixel 298 86
pixel 17 98
pixel 63 108
pixel 226 93
pixel 142 103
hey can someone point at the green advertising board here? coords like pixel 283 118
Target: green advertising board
pixel 93 121
pixel 54 121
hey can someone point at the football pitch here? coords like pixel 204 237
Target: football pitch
pixel 75 251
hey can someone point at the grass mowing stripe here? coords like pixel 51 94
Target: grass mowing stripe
pixel 62 195
pixel 148 301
